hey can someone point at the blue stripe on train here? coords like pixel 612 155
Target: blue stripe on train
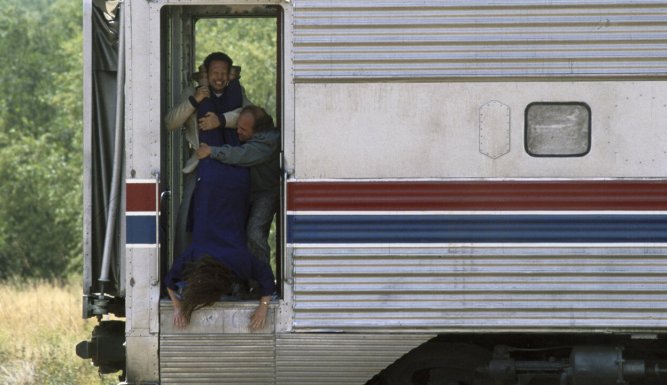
pixel 476 228
pixel 140 229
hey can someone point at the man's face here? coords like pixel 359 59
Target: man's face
pixel 218 75
pixel 245 127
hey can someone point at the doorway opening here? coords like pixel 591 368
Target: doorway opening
pixel 251 35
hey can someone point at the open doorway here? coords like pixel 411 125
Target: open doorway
pixel 251 36
pixel 252 42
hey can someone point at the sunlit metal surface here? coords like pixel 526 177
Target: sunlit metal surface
pixel 217 348
pixel 480 287
pixel 412 39
pixel 216 358
pixel 336 358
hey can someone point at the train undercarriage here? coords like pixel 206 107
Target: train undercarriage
pixel 531 360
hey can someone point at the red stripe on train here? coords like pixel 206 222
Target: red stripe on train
pixel 140 197
pixel 477 195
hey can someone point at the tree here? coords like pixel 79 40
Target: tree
pixel 40 137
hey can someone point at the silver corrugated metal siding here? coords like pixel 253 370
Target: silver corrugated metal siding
pixel 357 39
pixel 509 288
pixel 338 359
pixel 285 359
pixel 217 358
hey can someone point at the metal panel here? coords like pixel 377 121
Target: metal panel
pixel 142 163
pixel 358 39
pixel 217 347
pixel 480 228
pixel 340 359
pixel 431 130
pixel 141 308
pixel 585 195
pixel 217 358
pixel 286 359
pixel 143 84
pixel 414 258
pixel 472 288
pixel 227 317
pixel 142 353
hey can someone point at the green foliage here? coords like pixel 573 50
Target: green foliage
pixel 40 137
pixel 41 127
pixel 40 213
pixel 251 42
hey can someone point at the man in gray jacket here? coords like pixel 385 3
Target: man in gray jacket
pixel 261 152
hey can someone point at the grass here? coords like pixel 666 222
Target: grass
pixel 40 324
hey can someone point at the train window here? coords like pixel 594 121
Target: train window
pixel 558 129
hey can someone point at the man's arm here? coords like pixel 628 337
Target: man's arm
pixel 255 151
pixel 179 114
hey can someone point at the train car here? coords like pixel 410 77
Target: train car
pixel 473 192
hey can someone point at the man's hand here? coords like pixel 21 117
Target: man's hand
pixel 203 151
pixel 201 93
pixel 209 121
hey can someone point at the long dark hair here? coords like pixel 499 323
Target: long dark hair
pixel 207 280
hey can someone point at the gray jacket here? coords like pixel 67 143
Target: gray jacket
pixel 184 115
pixel 262 154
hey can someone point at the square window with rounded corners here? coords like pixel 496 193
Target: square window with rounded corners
pixel 558 129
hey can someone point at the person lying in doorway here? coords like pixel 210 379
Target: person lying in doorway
pixel 218 258
pixel 260 150
pixel 216 211
pixel 215 104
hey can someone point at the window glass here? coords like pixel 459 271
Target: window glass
pixel 558 129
